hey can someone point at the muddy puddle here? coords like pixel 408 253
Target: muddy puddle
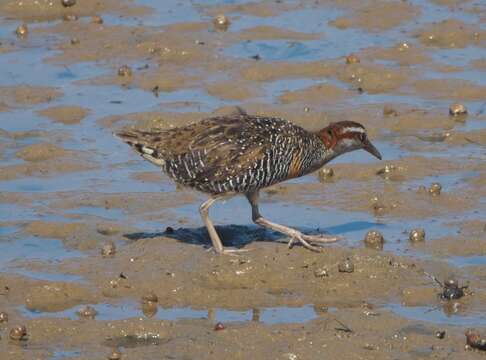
pixel 69 188
pixel 107 312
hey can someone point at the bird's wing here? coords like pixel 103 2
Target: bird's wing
pixel 207 134
pixel 213 149
pixel 227 146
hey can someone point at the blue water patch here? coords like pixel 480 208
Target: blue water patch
pixel 437 315
pixel 102 180
pixel 433 13
pixel 277 50
pixel 281 315
pixel 269 316
pixel 13 212
pixel 273 89
pixel 46 276
pixel 470 75
pixel 450 182
pixel 8 230
pixel 459 57
pixel 110 214
pixel 65 354
pixel 463 261
pixel 33 248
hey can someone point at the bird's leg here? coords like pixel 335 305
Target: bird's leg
pixel 294 234
pixel 204 210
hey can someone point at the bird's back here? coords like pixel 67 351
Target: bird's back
pixel 237 153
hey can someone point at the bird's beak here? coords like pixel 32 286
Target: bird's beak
pixel 368 146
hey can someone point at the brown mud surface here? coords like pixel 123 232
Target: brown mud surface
pixel 68 115
pixel 84 221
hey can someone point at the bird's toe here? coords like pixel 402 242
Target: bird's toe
pixel 321 238
pixel 300 239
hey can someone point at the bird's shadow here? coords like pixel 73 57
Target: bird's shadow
pixel 239 236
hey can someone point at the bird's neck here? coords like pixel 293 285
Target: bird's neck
pixel 321 155
pixel 324 153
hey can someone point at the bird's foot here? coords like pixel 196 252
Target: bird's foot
pixel 321 238
pixel 306 240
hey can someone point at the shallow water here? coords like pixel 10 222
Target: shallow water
pixel 437 315
pixel 33 248
pixel 269 316
pixel 65 354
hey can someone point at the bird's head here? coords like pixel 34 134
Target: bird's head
pixel 345 136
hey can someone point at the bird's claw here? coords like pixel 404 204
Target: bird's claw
pixel 305 239
pixel 321 238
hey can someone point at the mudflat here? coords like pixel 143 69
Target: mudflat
pixel 101 255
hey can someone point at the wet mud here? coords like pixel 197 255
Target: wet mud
pixel 101 254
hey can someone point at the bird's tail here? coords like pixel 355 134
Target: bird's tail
pixel 144 143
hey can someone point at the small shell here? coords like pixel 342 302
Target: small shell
pixel 107 230
pixel 87 312
pixel 325 174
pixel 149 298
pixel 451 282
pixel 457 110
pixel 115 355
pixel 474 340
pixel 68 3
pixel 346 266
pixel 435 189
pixel 378 207
pixel 352 59
pixel 403 46
pixel 389 111
pixel 219 326
pixel 374 239
pixel 221 22
pixel 22 31
pixel 108 249
pixel 321 273
pixel 417 235
pixel 125 71
pixel 440 334
pixel 70 17
pixel 368 346
pixel 387 171
pixel 3 317
pixel 96 19
pixel 149 309
pixel 75 41
pixel 18 333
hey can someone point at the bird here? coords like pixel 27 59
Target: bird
pixel 240 154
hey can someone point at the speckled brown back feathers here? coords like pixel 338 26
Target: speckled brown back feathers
pixel 237 153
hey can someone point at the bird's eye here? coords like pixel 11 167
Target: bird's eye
pixel 329 132
pixel 362 137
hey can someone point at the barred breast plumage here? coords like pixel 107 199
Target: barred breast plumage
pixel 238 153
